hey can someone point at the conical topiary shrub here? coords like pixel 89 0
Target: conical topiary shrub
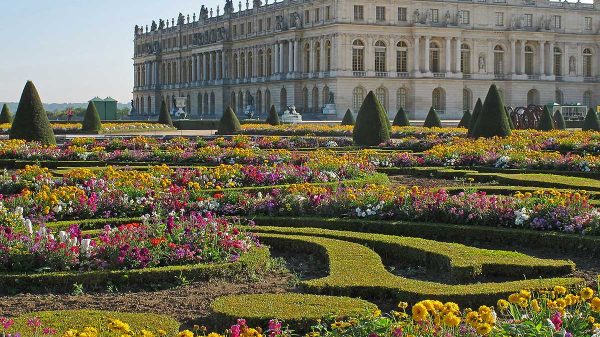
pixel 31 121
pixel 432 120
pixel 475 116
pixel 229 123
pixel 5 116
pixel 91 119
pixel 372 123
pixel 546 123
pixel 493 119
pixel 164 117
pixel 559 120
pixel 401 118
pixel 510 121
pixel 465 121
pixel 273 117
pixel 348 118
pixel 591 122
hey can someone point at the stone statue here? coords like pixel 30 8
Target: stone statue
pixel 256 3
pixel 154 26
pixel 331 99
pixel 133 110
pixel 194 17
pixel 188 18
pixel 136 30
pixel 279 22
pixel 172 22
pixel 482 63
pixel 447 18
pixel 296 20
pixel 161 24
pixel 572 66
pixel 180 20
pixel 416 16
pixel 203 13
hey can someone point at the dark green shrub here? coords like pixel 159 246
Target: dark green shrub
pixel 591 122
pixel 348 118
pixel 559 120
pixel 475 116
pixel 493 120
pixel 372 124
pixel 465 121
pixel 401 118
pixel 31 121
pixel 273 117
pixel 432 120
pixel 510 121
pixel 5 116
pixel 546 123
pixel 229 123
pixel 164 117
pixel 91 119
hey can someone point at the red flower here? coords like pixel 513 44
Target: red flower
pixel 157 241
pixel 218 196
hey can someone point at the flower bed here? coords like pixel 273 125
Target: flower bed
pixel 62 128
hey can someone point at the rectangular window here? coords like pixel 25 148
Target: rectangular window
pixel 401 61
pixel 260 25
pixel 242 29
pixel 268 23
pixel 402 14
pixel 528 22
pixel 464 17
pixel 435 15
pixel 317 14
pixel 328 13
pixel 588 23
pixel 499 19
pixel 249 27
pixel 234 30
pixel 359 13
pixel 556 22
pixel 380 13
pixel 306 16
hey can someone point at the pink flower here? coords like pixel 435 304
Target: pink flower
pixel 556 321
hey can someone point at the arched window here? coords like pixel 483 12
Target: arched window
pixel 248 98
pixel 150 105
pixel 327 55
pixel 587 99
pixel 380 51
pixel 185 79
pixel 250 65
pixel 269 62
pixel 533 97
pixel 465 58
pixel 163 74
pixel 401 98
pixel 212 103
pixel 401 57
pixel 434 57
pixel 498 60
pixel 261 64
pixel 325 96
pixel 188 105
pixel 381 94
pixel 267 100
pixel 233 102
pixel 307 58
pixel 558 97
pixel 305 108
pixel 317 61
pixel 206 106
pixel 242 65
pixel 358 56
pixel 259 102
pixel 190 77
pixel 236 73
pixel 587 62
pixel 315 100
pixel 241 102
pixel 528 60
pixel 168 74
pixel 142 105
pixel 199 102
pixel 557 61
pixel 358 96
pixel 283 99
pixel 438 100
pixel 467 99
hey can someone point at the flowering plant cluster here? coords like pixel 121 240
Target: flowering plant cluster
pixel 111 127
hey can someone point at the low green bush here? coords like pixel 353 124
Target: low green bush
pixel 546 121
pixel 164 117
pixel 465 121
pixel 91 119
pixel 401 118
pixel 348 118
pixel 559 120
pixel 273 117
pixel 5 116
pixel 31 120
pixel 372 124
pixel 229 123
pixel 591 122
pixel 432 120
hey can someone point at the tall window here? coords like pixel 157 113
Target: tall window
pixel 283 99
pixel 438 100
pixel 242 65
pixel 250 65
pixel 380 57
pixel 588 23
pixel 434 57
pixel 358 56
pixel 381 94
pixel 261 63
pixel 499 19
pixel 325 96
pixel 315 100
pixel 269 62
pixel 528 60
pixel 306 16
pixel 327 55
pixel 327 12
pixel 587 99
pixel 402 14
pixel 557 61
pixel 465 59
pixel 498 60
pixel 528 20
pixel 401 57
pixel 305 100
pixel 307 58
pixel 358 95
pixel 359 14
pixel 467 99
pixel 380 13
pixel 317 14
pixel 401 98
pixel 558 97
pixel 533 97
pixel 557 22
pixel 317 60
pixel 435 15
pixel 587 62
pixel 464 17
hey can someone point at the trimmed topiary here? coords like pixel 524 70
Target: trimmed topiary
pixel 229 123
pixel 273 117
pixel 591 122
pixel 475 116
pixel 510 121
pixel 432 120
pixel 31 121
pixel 164 117
pixel 465 121
pixel 546 123
pixel 348 118
pixel 401 118
pixel 559 120
pixel 493 120
pixel 91 120
pixel 372 124
pixel 5 116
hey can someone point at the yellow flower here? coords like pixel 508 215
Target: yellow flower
pixel 591 320
pixel 595 304
pixel 185 333
pixel 503 304
pixel 525 294
pixel 535 306
pixel 214 334
pixel 484 329
pixel 419 312
pixel 560 290
pixel 146 333
pixel 403 305
pixel 472 318
pixel 586 293
pixel 70 333
pixel 514 298
pixel 162 332
pixel 451 320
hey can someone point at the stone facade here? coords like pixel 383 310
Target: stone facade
pixel 413 54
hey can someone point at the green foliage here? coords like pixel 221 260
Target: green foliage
pixel 348 118
pixel 5 116
pixel 229 123
pixel 164 117
pixel 559 120
pixel 31 121
pixel 510 121
pixel 432 120
pixel 493 120
pixel 474 117
pixel 300 311
pixel 91 120
pixel 546 123
pixel 465 121
pixel 401 118
pixel 591 122
pixel 273 117
pixel 372 124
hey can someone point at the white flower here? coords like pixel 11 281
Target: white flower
pixel 85 247
pixel 63 236
pixel 521 216
pixel 28 226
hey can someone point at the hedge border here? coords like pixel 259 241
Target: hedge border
pixel 461 170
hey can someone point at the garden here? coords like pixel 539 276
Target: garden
pixel 365 229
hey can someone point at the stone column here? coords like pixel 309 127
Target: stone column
pixel 296 57
pixel 416 57
pixel 522 65
pixel 205 67
pixel 551 59
pixel 448 49
pixel 513 57
pixel 322 65
pixel 457 55
pixel 223 65
pixel 311 57
pixel 426 55
pixel 542 58
pixel 276 58
pixel 281 58
pixel 194 69
pixel 290 56
pixel 218 65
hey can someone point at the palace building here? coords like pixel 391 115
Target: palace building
pixel 324 56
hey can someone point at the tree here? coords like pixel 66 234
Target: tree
pixel 559 120
pixel 164 117
pixel 475 116
pixel 372 123
pixel 510 121
pixel 493 119
pixel 591 122
pixel 5 116
pixel 546 123
pixel 401 118
pixel 432 120
pixel 273 117
pixel 465 121
pixel 348 118
pixel 229 123
pixel 91 119
pixel 31 121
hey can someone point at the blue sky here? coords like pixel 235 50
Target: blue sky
pixel 74 50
